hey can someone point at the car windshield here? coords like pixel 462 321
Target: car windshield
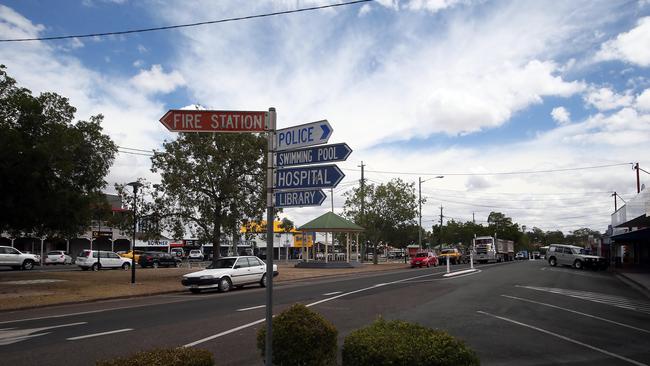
pixel 447 251
pixel 421 255
pixel 222 263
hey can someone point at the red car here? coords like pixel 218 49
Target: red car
pixel 424 259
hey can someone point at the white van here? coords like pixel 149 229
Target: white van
pixel 87 259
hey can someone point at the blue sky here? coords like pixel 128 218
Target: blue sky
pixel 420 86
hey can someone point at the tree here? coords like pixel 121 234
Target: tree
pixel 389 209
pixel 212 183
pixel 52 169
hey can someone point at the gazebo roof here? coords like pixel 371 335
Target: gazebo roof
pixel 331 222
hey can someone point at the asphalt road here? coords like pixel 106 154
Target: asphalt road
pixel 521 313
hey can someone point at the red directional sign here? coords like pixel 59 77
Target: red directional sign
pixel 182 120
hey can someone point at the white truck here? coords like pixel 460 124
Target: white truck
pixel 490 250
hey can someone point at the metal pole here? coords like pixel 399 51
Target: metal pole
pixel 638 182
pixel 135 222
pixel 269 238
pixel 358 255
pixel 420 212
pixel 99 230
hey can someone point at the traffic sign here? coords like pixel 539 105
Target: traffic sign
pixel 314 197
pixel 313 155
pixel 309 134
pixel 321 176
pixel 187 120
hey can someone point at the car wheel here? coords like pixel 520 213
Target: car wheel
pixel 263 280
pixel 552 262
pixel 578 264
pixel 195 290
pixel 224 284
pixel 27 265
pixel 95 267
pixel 126 266
pixel 155 265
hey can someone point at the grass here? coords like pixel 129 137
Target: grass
pixel 77 286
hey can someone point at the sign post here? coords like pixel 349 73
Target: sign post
pixel 309 134
pixel 269 238
pixel 313 155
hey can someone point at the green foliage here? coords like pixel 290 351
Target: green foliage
pixel 301 337
pixel 401 343
pixel 211 183
pixel 52 169
pixel 164 357
pixel 390 209
pixel 286 225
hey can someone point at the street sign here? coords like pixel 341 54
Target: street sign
pixel 182 120
pixel 321 176
pixel 309 134
pixel 313 197
pixel 102 234
pixel 313 155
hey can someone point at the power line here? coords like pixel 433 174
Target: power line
pixel 496 173
pixel 142 30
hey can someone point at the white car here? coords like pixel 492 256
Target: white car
pixel 227 272
pixel 57 257
pixel 87 259
pixel 195 254
pixel 16 259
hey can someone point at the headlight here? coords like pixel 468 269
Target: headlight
pixel 206 277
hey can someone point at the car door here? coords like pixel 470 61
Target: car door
pixel 12 257
pixel 3 256
pixel 257 269
pixel 240 271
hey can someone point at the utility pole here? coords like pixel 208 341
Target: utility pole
pixel 420 212
pixel 615 206
pixel 473 218
pixel 440 235
pixel 363 203
pixel 638 181
pixel 332 194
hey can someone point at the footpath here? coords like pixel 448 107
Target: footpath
pixel 640 280
pixel 29 289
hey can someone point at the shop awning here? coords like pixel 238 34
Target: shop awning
pixel 641 235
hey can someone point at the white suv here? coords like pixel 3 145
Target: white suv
pixel 87 259
pixel 16 259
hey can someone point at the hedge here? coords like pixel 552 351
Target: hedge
pixel 400 343
pixel 301 337
pixel 164 357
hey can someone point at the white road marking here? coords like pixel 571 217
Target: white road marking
pixel 13 335
pixel 252 307
pixel 451 274
pixel 617 301
pixel 30 282
pixel 623 358
pixel 332 293
pixel 577 312
pixel 573 272
pixel 259 321
pixel 99 334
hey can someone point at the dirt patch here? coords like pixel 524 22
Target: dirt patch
pixel 77 286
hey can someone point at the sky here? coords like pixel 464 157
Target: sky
pixel 417 88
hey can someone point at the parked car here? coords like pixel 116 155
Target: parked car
pixel 537 255
pixel 196 255
pixel 87 259
pixel 453 254
pixel 178 252
pixel 521 256
pixel 424 259
pixel 57 257
pixel 575 256
pixel 129 254
pixel 227 272
pixel 158 259
pixel 16 259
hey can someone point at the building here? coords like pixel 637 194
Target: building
pixel 630 233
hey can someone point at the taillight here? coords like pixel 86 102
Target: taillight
pixel 149 258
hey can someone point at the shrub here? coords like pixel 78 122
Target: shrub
pixel 164 357
pixel 301 337
pixel 401 343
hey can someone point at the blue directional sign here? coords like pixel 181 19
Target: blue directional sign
pixel 313 155
pixel 321 176
pixel 310 134
pixel 313 197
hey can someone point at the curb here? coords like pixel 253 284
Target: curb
pixel 633 283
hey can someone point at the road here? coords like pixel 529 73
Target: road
pixel 521 313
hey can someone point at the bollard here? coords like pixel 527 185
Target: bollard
pixel 471 261
pixel 447 264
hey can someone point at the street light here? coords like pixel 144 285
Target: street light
pixel 135 186
pixel 420 181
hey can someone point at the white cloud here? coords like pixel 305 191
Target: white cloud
pixel 643 101
pixel 431 5
pixel 632 46
pixel 142 49
pixel 561 115
pixel 605 99
pixel 138 63
pixel 14 25
pixel 365 9
pixel 156 80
